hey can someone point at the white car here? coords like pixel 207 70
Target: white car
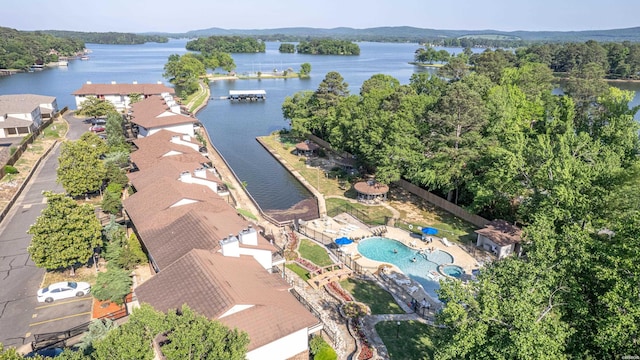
pixel 63 290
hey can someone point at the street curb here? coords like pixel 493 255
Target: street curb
pixel 15 196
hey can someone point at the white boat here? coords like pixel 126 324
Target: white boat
pixel 63 63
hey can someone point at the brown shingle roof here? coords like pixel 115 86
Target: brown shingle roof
pixel 23 103
pixel 501 233
pixel 154 112
pixel 123 89
pixel 156 147
pixel 212 285
pixel 166 167
pixel 12 122
pixel 307 146
pixel 371 188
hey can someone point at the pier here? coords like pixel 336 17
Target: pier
pixel 249 95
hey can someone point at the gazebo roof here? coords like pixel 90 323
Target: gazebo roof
pixel 307 146
pixel 371 188
pixel 501 233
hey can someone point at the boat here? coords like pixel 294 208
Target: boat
pixel 85 57
pixel 63 63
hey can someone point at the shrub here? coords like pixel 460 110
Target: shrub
pixel 112 285
pixel 321 350
pixel 8 169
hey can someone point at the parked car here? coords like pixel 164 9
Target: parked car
pixel 97 128
pixel 63 290
pixel 98 121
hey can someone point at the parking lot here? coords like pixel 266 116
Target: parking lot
pixel 60 315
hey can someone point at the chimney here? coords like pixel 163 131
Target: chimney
pixel 88 82
pixel 185 177
pixel 113 82
pixel 159 82
pixel 230 246
pixel 200 172
pixel 248 236
pixel 135 82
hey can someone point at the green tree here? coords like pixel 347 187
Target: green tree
pixel 454 70
pixel 287 48
pixel 80 169
pixel 510 313
pixel 184 72
pixel 132 340
pixel 65 234
pixel 194 336
pixel 453 139
pixel 190 336
pixel 114 129
pixel 112 199
pixel 94 107
pixel 305 70
pixel 98 329
pixel 113 285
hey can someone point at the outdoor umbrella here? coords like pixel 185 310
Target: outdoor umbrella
pixel 429 231
pixel 343 241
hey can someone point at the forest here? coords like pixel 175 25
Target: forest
pixel 327 47
pixel 227 44
pixel 109 38
pixel 20 49
pixel 490 135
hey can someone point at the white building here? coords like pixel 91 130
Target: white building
pixel 22 114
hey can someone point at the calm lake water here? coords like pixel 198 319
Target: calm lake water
pixel 232 126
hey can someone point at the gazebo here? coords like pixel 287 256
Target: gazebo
pixel 500 237
pixel 307 148
pixel 371 190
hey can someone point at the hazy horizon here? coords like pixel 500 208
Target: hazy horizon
pixel 143 16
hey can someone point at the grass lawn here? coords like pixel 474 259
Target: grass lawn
pixel 409 340
pixel 303 273
pixel 314 253
pixel 376 214
pixel 284 147
pixel 247 213
pixel 378 300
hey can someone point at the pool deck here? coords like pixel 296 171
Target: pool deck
pixel 460 257
pixel 346 225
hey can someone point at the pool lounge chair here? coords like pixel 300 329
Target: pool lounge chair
pixel 402 281
pixel 446 242
pixel 412 289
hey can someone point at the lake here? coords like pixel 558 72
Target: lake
pixel 232 126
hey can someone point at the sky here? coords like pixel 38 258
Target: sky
pixel 140 16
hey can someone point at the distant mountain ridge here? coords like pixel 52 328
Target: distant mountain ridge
pixel 414 34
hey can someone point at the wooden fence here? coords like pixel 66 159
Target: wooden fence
pixel 445 205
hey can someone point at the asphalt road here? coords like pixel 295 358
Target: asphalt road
pixel 20 313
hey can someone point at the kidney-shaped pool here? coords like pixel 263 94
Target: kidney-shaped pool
pixel 423 270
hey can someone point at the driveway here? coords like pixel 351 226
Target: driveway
pixel 20 279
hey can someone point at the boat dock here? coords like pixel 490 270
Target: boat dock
pixel 249 95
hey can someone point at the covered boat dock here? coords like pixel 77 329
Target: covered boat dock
pixel 249 95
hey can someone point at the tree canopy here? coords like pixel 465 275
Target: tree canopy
pixel 80 170
pixel 327 47
pixel 22 49
pixel 227 44
pixel 189 336
pixel 491 136
pixel 65 234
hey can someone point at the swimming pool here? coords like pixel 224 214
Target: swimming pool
pixel 396 253
pixel 453 271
